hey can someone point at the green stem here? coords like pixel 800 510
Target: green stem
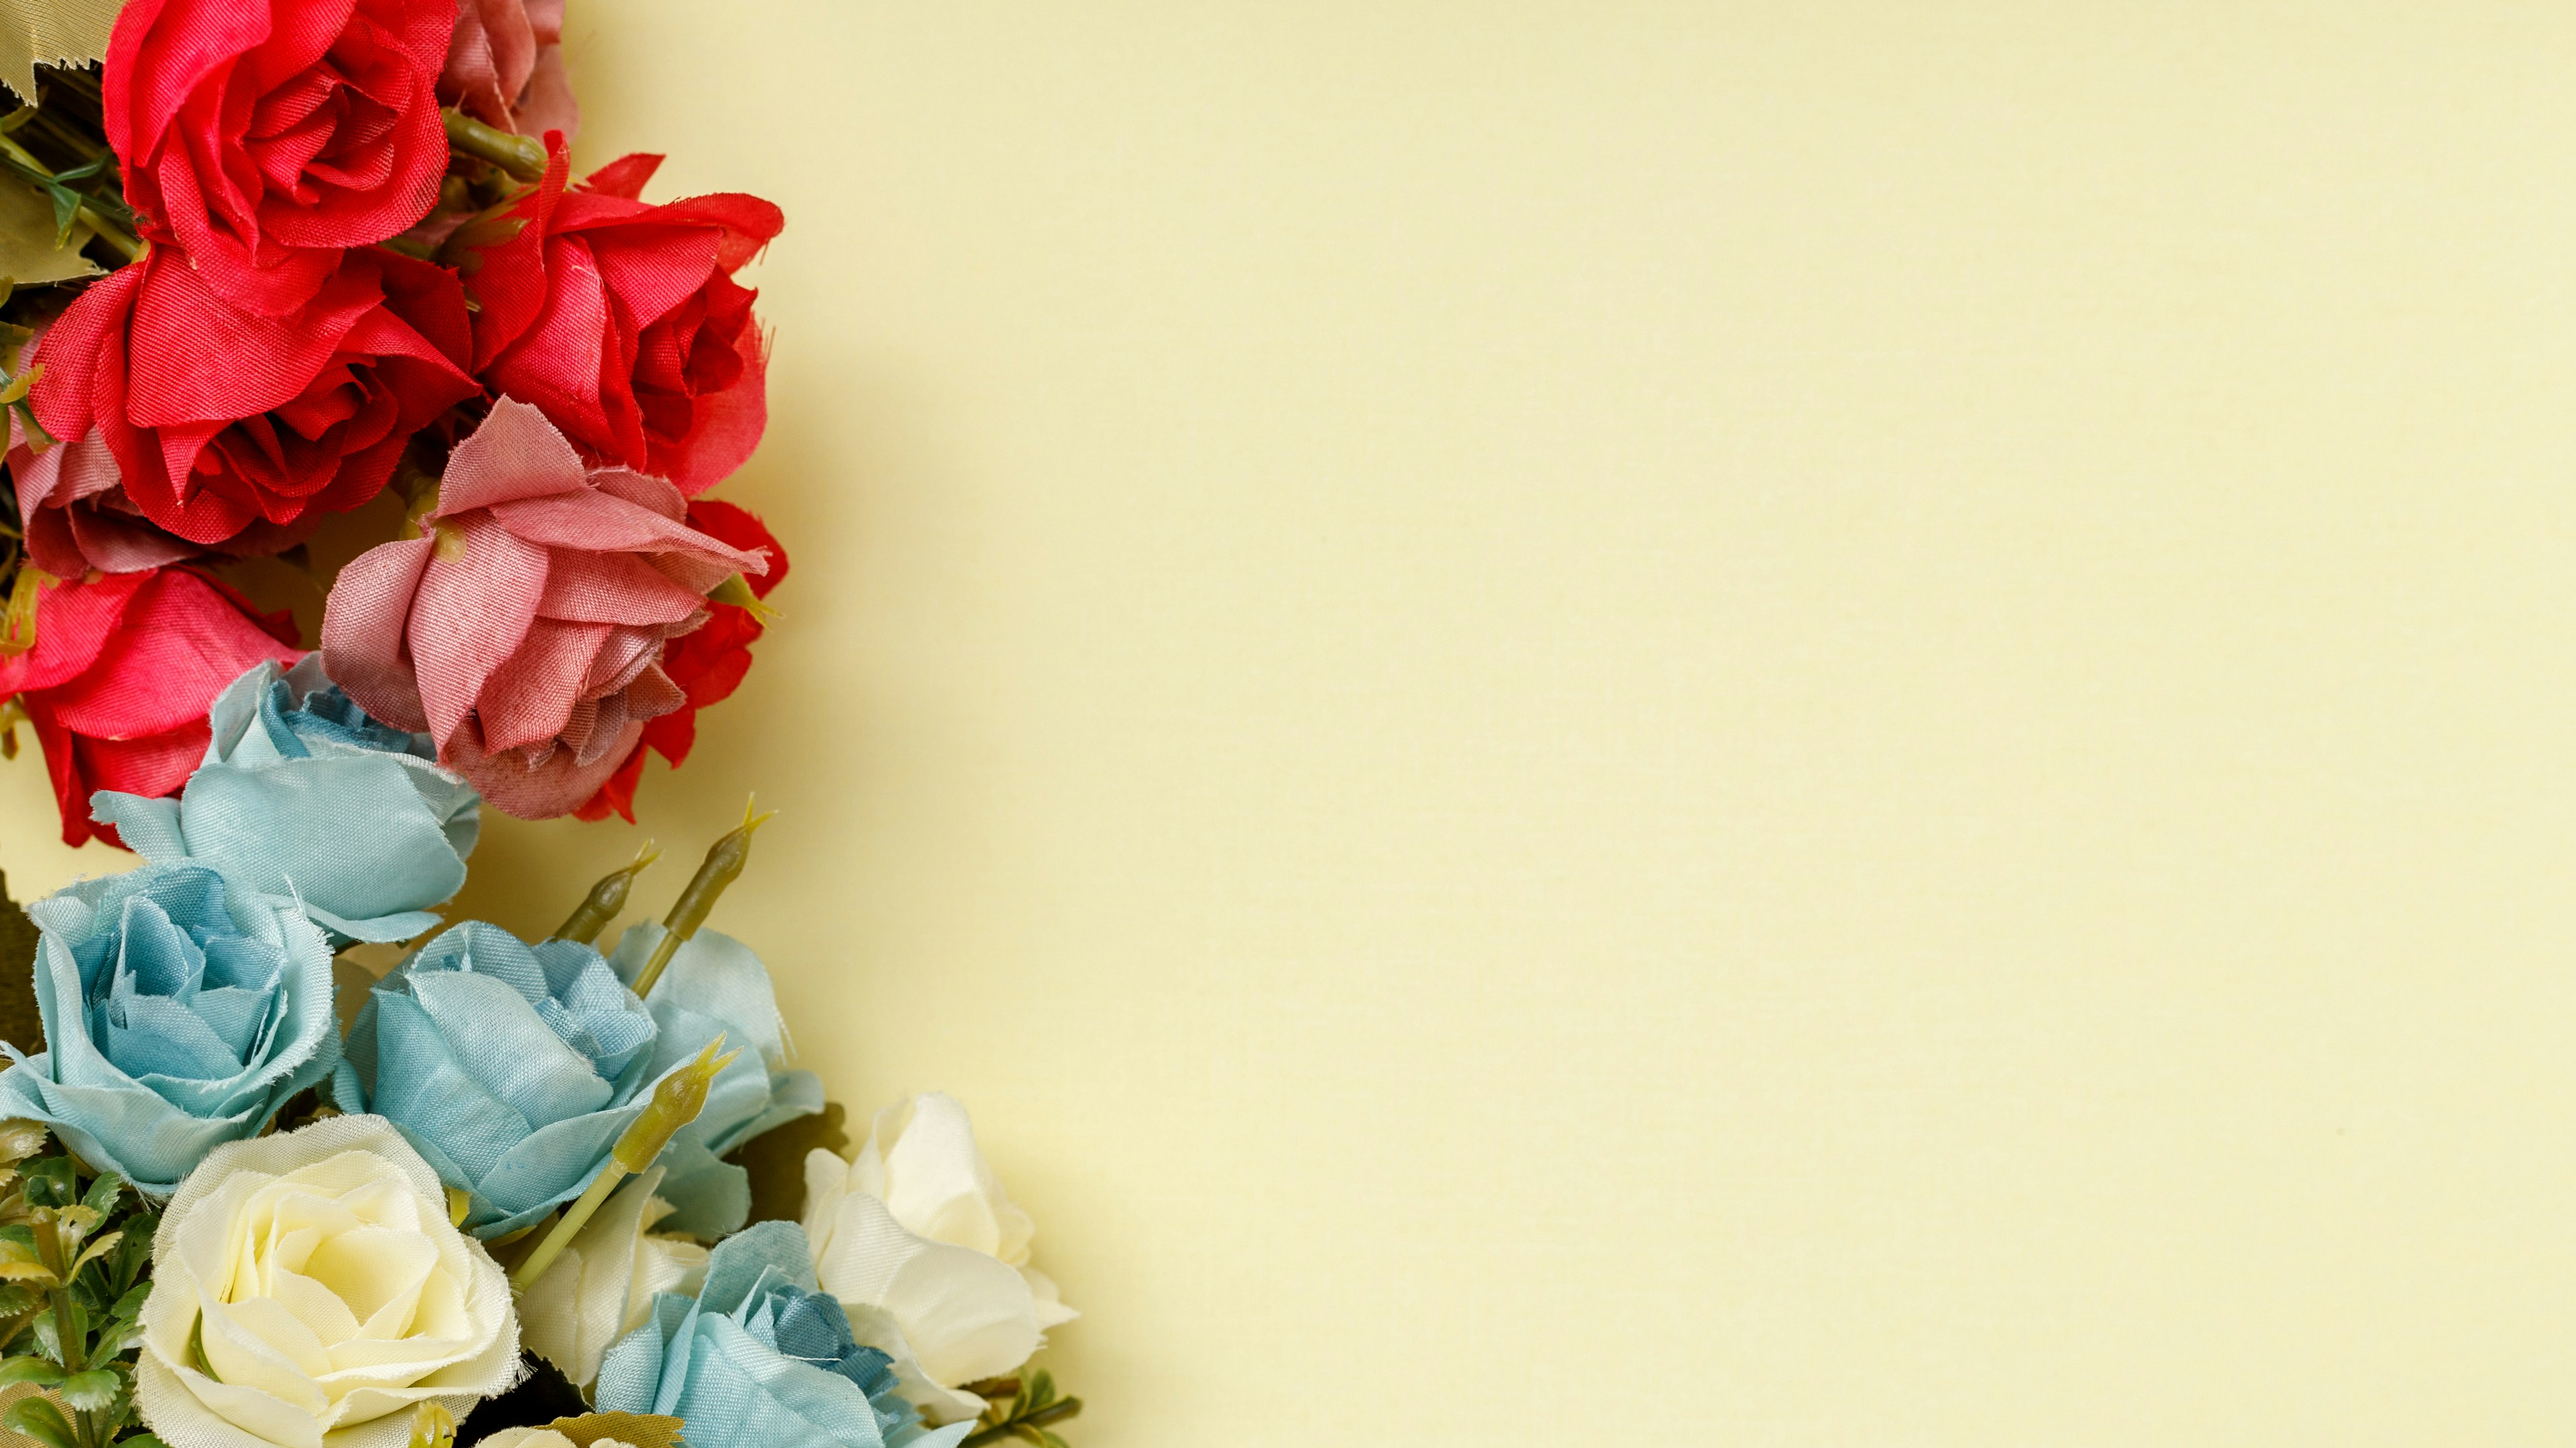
pixel 522 156
pixel 1055 1412
pixel 561 1237
pixel 108 231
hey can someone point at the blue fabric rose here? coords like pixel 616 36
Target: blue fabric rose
pixel 760 1358
pixel 513 1069
pixel 715 986
pixel 179 1015
pixel 302 795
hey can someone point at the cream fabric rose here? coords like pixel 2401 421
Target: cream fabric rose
pixel 928 1256
pixel 316 1272
pixel 602 1287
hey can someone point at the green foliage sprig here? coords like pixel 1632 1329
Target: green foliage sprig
pixel 73 1260
pixel 1021 1408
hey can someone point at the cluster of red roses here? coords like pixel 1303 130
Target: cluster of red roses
pixel 332 293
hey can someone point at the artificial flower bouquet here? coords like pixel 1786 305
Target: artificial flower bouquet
pixel 288 272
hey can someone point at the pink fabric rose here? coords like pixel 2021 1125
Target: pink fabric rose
pixel 525 630
pixel 505 67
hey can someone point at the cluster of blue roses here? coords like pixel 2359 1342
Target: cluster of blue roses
pixel 186 1002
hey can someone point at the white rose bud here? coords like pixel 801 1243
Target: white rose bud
pixel 602 1287
pixel 928 1255
pixel 309 1284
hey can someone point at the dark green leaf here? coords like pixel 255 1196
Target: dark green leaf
pixel 141 1440
pixel 1041 1389
pixel 93 1390
pixel 21 1025
pixel 776 1161
pixel 29 1370
pixel 50 1182
pixel 103 1193
pixel 131 1304
pixel 40 1420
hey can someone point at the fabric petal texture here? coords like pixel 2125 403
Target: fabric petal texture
pixel 603 1285
pixel 928 1255
pixel 715 986
pixel 760 1356
pixel 511 1068
pixel 124 670
pixel 526 633
pixel 307 1289
pixel 179 1014
pixel 304 798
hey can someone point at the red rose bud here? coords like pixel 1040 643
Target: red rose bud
pixel 225 427
pixel 265 136
pixel 621 320
pixel 121 674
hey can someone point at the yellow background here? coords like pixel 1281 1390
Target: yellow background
pixel 1745 724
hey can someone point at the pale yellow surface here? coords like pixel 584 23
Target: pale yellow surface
pixel 1791 724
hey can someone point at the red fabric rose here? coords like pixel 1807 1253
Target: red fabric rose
pixel 707 664
pixel 123 671
pixel 264 136
pixel 623 322
pixel 505 67
pixel 525 633
pixel 224 423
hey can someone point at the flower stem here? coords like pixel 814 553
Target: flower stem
pixel 108 231
pixel 573 1221
pixel 522 156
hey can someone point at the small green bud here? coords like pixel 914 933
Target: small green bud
pixel 432 1426
pixel 722 866
pixel 676 1102
pixel 605 900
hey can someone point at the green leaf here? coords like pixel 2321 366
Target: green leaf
pixel 50 1183
pixel 644 1430
pixel 21 1024
pixel 92 1391
pixel 39 1419
pixel 776 1161
pixel 103 1193
pixel 1052 1441
pixel 95 1250
pixel 29 1370
pixel 141 1440
pixel 130 1305
pixel 1041 1391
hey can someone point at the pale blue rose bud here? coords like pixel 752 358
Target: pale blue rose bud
pixel 760 1357
pixel 179 1015
pixel 512 1069
pixel 305 797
